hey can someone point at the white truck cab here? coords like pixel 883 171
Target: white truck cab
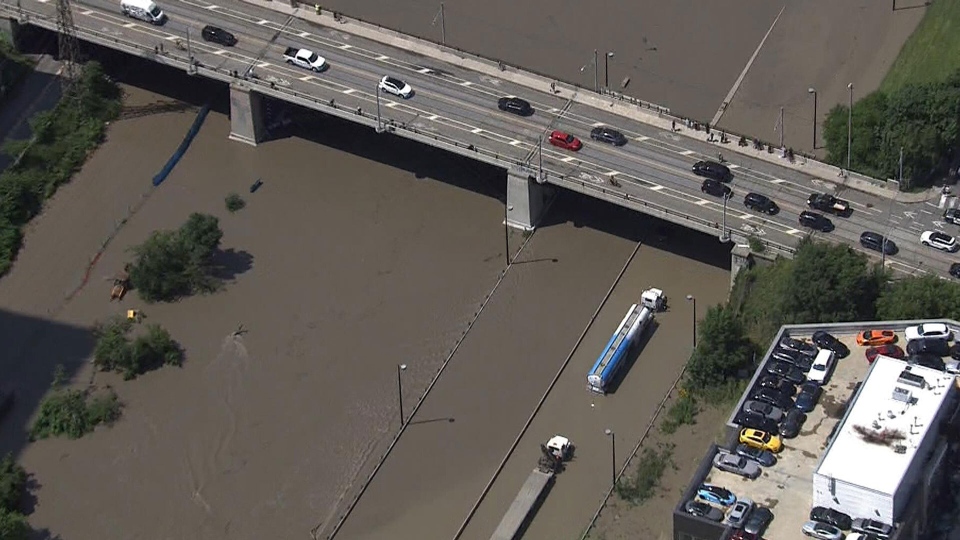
pixel 145 10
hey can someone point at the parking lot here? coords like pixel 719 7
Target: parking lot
pixel 786 487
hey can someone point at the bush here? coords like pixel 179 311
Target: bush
pixel 756 245
pixel 73 413
pixel 723 351
pixel 683 412
pixel 643 484
pixel 172 264
pixel 13 525
pixel 234 202
pixel 13 483
pixel 62 140
pixel 115 352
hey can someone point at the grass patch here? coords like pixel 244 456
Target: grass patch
pixel 932 52
pixel 683 412
pixel 234 202
pixel 643 484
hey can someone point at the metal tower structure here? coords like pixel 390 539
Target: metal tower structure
pixel 68 47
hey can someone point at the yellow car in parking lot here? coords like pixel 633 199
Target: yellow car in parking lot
pixel 760 439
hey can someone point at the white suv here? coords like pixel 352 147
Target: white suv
pixel 928 331
pixel 939 240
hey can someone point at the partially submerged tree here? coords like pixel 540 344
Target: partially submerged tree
pixel 172 264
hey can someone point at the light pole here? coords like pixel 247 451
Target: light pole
pixel 506 230
pixel 376 92
pixel 596 72
pixel 606 70
pixel 613 455
pixel 723 232
pixel 400 369
pixel 693 299
pixel 849 127
pixel 886 236
pixel 813 91
pixel 443 25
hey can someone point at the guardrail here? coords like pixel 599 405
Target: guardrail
pixel 271 88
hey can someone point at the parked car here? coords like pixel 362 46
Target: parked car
pixel 939 240
pixel 704 510
pixel 826 202
pixel 515 105
pixel 877 242
pixel 822 531
pixel 822 367
pixel 760 203
pixel 761 439
pixel 935 346
pixel 815 221
pixel 772 397
pixel 888 350
pixel 927 360
pixel 716 495
pixel 395 86
pixel 716 188
pixel 566 141
pixel 786 371
pixel 756 421
pixel 871 338
pixel 773 382
pixel 825 340
pixel 767 410
pixel 735 464
pixel 759 519
pixel 928 330
pixel 952 367
pixel 792 422
pixel 218 35
pixel 800 361
pixel 741 534
pixel 872 527
pixel 831 517
pixel 714 170
pixel 739 513
pixel 808 397
pixel 952 215
pixel 608 135
pixel 764 457
pixel 955 270
pixel 797 345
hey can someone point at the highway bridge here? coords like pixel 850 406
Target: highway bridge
pixel 455 108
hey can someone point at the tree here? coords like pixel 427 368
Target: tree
pixel 13 483
pixel 830 283
pixel 722 352
pixel 115 352
pixel 172 264
pixel 72 412
pixel 13 525
pixel 923 297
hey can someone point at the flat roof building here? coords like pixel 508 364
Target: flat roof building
pixel 884 441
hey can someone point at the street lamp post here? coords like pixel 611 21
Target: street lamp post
pixel 606 69
pixel 400 369
pixel 613 455
pixel 849 127
pixel 886 236
pixel 379 122
pixel 693 299
pixel 506 231
pixel 596 73
pixel 443 26
pixel 814 92
pixel 724 237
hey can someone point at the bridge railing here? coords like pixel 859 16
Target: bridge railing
pixel 276 88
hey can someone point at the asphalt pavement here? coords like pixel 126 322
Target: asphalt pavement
pixel 653 167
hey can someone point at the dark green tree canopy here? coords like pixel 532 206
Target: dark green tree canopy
pixel 924 297
pixel 172 264
pixel 722 352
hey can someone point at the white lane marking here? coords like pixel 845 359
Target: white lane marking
pixel 212 7
pixel 130 25
pixel 611 173
pixel 263 65
pixel 596 124
pixel 641 138
pixel 87 12
pixel 263 22
pixel 746 217
pixel 308 78
pixel 777 181
pixel 554 110
pixel 702 202
pixel 349 91
pixel 476 130
pixel 568 159
pixel 304 34
pixel 382 57
pixel 515 143
pixel 345 46
pixel 171 38
pixel 223 51
pixel 43 1
pixel 656 187
pixel 424 70
pixel 466 83
pixel 688 152
pixel 933 205
pixel 433 117
pixel 732 166
pixel 793 231
pixel 392 104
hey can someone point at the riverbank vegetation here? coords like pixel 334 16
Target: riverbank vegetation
pixel 173 264
pixel 62 140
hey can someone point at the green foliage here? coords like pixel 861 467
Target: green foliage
pixel 931 52
pixel 683 412
pixel 115 352
pixel 62 140
pixel 922 297
pixel 756 245
pixel 234 202
pixel 13 525
pixel 645 480
pixel 830 283
pixel 723 351
pixel 13 483
pixel 73 413
pixel 172 264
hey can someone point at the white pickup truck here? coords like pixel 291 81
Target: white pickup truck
pixel 305 58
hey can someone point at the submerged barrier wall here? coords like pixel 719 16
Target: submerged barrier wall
pixel 182 149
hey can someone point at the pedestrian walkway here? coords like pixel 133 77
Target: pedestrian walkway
pixel 619 104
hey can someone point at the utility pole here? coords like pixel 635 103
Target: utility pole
pixel 540 178
pixel 780 123
pixel 67 46
pixel 814 92
pixel 723 232
pixel 379 122
pixel 189 53
pixel 849 127
pixel 596 72
pixel 886 236
pixel 443 26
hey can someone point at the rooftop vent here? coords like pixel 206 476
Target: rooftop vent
pixel 911 379
pixel 902 394
pixel 900 449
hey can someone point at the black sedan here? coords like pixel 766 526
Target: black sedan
pixel 955 270
pixel 760 203
pixel 608 135
pixel 877 242
pixel 763 457
pixel 825 340
pixel 716 188
pixel 756 421
pixel 712 169
pixel 826 202
pixel 831 517
pixel 815 221
pixel 802 362
pixel 935 346
pixel 809 396
pixel 786 371
pixel 800 346
pixel 515 105
pixel 218 35
pixel 776 383
pixel 791 424
pixel 773 398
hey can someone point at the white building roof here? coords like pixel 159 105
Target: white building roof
pixel 878 467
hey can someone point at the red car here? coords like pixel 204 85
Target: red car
pixel 565 140
pixel 889 350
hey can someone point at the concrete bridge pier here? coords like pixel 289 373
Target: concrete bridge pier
pixel 246 115
pixel 527 200
pixel 9 30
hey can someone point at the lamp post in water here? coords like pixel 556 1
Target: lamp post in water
pixel 613 455
pixel 693 299
pixel 400 369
